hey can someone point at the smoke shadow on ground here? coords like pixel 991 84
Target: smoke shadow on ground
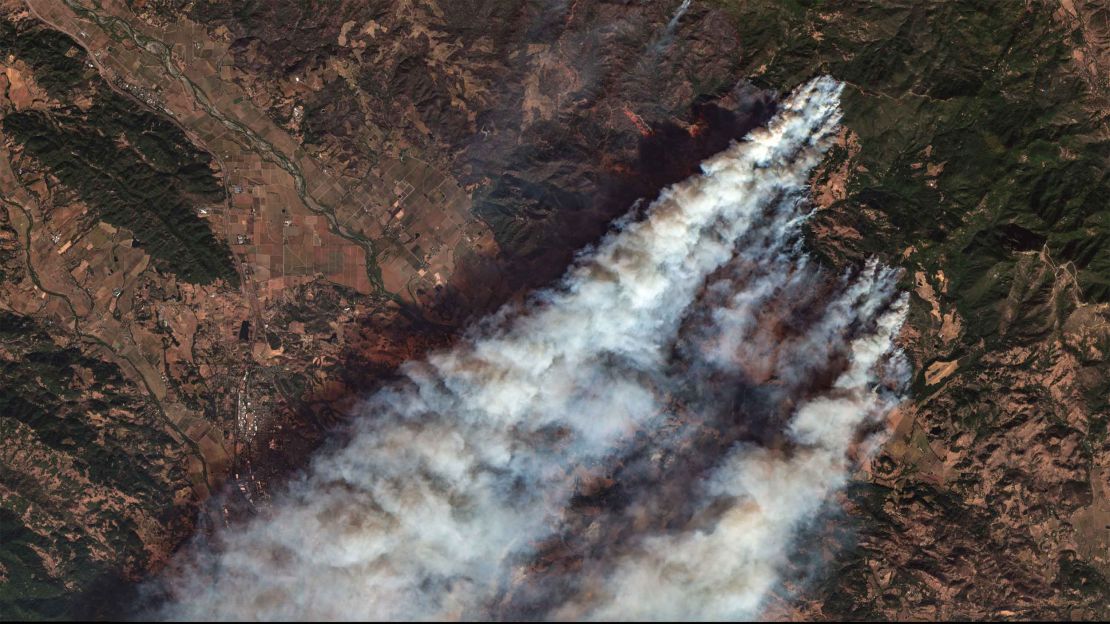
pixel 671 153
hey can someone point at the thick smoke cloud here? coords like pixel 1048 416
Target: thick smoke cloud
pixel 762 495
pixel 454 477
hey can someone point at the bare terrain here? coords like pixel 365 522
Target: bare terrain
pixel 224 223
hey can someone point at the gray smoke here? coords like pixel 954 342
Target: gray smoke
pixel 682 8
pixel 455 475
pixel 667 36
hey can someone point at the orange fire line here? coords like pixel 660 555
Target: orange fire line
pixel 636 119
pixel 570 15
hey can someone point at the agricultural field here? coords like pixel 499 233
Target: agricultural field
pixel 224 224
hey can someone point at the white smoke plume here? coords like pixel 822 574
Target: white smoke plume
pixel 667 36
pixel 454 478
pixel 762 495
pixel 679 12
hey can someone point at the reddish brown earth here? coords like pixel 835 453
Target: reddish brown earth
pixel 457 154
